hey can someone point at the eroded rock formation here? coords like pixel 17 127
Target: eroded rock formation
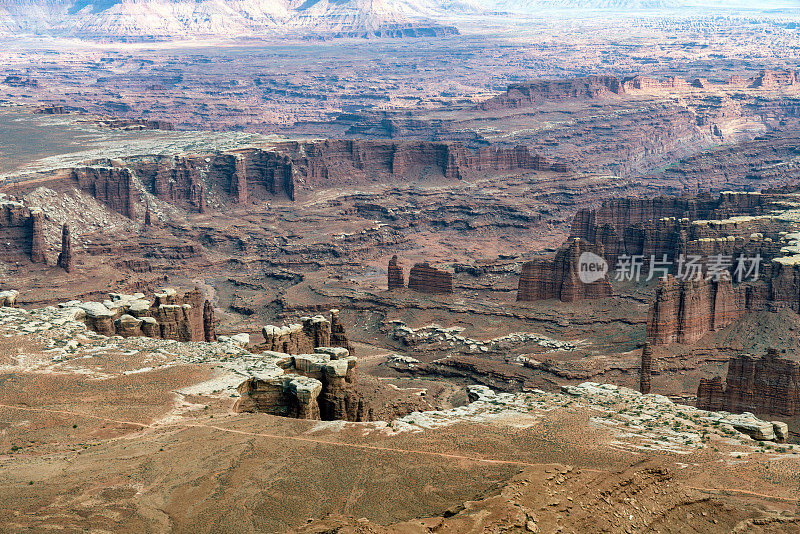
pixel 766 385
pixel 321 385
pixel 65 259
pixel 669 226
pixel 683 311
pixel 21 230
pixel 396 278
pixel 559 278
pixel 37 237
pixel 307 335
pixel 168 316
pixel 711 394
pixel 8 298
pixel 529 93
pixel 209 326
pixel 427 279
pixel 110 185
pixel 283 169
pixel 338 334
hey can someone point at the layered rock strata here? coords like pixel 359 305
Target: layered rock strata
pixel 598 86
pixel 111 185
pixel 669 226
pixel 530 93
pixel 282 169
pixel 766 385
pixel 21 230
pixel 427 279
pixel 646 369
pixel 683 311
pixel 559 278
pixel 168 316
pixel 396 278
pixel 321 385
pixel 307 335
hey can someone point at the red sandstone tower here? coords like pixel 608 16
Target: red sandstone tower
pixel 37 237
pixel 396 276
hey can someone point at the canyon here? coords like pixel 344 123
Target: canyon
pixel 398 266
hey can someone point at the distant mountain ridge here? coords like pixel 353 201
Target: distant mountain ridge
pixel 122 19
pixel 232 18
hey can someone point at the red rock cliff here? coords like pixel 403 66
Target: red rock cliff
pixel 427 279
pixel 558 278
pixel 766 385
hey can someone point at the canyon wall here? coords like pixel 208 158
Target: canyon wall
pixel 559 278
pixel 284 169
pixel 671 225
pixel 593 87
pixel 765 385
pixel 113 186
pixel 683 311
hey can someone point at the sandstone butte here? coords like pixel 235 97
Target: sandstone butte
pixel 427 279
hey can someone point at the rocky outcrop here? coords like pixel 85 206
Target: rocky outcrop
pixel 16 80
pixel 50 110
pixel 65 259
pixel 396 278
pixel 8 298
pixel 765 385
pixel 307 335
pixel 321 385
pixel 646 369
pixel 683 311
pixel 427 279
pixel 167 316
pixel 559 278
pixel 136 124
pixel 209 324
